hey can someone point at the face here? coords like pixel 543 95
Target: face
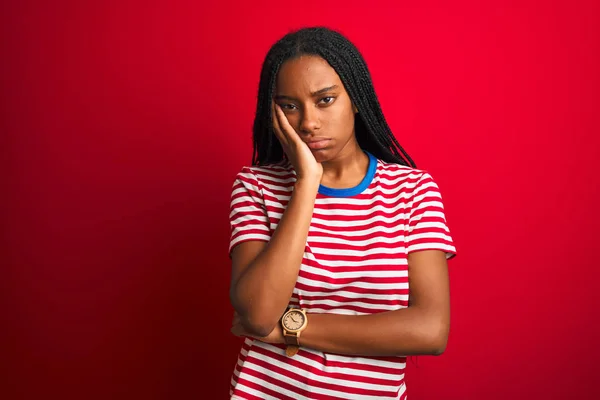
pixel 317 106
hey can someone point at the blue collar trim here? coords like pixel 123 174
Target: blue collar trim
pixel 358 189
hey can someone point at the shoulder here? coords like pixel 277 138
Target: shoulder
pixel 268 169
pixel 278 174
pixel 401 173
pixel 410 182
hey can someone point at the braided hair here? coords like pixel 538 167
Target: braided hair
pixel 371 129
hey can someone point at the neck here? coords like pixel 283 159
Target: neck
pixel 347 169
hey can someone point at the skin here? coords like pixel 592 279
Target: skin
pixel 311 104
pixel 317 106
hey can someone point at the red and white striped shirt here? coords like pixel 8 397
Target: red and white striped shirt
pixel 355 262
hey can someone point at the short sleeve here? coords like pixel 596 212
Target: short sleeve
pixel 427 227
pixel 248 215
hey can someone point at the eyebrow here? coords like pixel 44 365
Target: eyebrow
pixel 313 94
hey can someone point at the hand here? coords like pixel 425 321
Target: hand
pixel 275 337
pixel 298 152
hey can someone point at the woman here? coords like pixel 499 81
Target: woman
pixel 339 245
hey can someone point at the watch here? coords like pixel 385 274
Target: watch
pixel 293 322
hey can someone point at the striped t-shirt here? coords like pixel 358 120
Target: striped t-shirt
pixel 355 262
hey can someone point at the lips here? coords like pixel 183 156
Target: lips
pixel 317 144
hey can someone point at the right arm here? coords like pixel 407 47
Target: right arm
pixel 264 274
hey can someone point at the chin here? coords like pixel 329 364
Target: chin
pixel 323 155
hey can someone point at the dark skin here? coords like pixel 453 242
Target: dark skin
pixel 314 121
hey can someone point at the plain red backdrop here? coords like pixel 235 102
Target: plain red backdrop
pixel 123 124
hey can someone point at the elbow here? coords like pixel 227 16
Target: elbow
pixel 256 323
pixel 258 327
pixel 438 349
pixel 436 339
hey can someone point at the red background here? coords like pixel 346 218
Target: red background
pixel 123 124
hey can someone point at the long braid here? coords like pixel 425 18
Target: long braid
pixel 373 114
pixel 372 131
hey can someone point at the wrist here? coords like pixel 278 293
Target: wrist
pixel 280 338
pixel 309 185
pixel 293 322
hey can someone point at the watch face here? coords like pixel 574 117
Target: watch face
pixel 293 320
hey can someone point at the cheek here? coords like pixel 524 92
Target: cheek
pixel 294 120
pixel 344 120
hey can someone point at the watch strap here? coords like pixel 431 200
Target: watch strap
pixel 291 339
pixel 291 350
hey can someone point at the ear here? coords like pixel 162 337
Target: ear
pixel 354 109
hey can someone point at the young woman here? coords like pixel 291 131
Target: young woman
pixel 339 245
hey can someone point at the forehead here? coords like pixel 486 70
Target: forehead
pixel 306 73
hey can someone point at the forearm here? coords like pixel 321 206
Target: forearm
pixel 409 331
pixel 263 291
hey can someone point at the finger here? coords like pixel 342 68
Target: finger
pixel 284 125
pixel 276 125
pixel 237 330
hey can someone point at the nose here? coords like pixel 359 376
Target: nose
pixel 310 120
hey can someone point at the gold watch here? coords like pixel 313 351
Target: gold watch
pixel 293 322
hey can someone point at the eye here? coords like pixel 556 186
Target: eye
pixel 288 106
pixel 327 100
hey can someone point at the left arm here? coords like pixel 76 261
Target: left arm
pixel 420 329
